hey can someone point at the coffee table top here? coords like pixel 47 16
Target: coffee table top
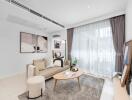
pixel 68 75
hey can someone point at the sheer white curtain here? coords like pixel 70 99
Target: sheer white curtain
pixel 93 47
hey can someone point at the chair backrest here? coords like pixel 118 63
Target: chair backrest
pixel 129 54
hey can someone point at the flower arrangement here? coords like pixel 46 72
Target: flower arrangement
pixel 74 61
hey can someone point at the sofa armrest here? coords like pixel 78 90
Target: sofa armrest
pixel 30 70
pixel 36 71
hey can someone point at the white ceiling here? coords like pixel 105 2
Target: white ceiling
pixel 72 12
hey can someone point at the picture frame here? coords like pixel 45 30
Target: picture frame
pixel 42 44
pixel 32 43
pixel 27 42
pixel 57 44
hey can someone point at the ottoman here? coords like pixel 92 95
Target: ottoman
pixel 35 86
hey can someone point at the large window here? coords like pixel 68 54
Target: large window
pixel 93 47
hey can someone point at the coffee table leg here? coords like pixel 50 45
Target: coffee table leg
pixel 55 83
pixel 78 82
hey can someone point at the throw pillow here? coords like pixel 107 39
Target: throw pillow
pixel 66 62
pixel 40 64
pixel 125 75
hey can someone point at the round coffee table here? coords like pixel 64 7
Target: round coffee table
pixel 66 75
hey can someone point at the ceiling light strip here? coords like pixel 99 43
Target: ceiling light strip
pixel 34 12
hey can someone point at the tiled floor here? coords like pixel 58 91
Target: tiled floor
pixel 108 92
pixel 11 87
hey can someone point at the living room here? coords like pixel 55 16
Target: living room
pixel 65 49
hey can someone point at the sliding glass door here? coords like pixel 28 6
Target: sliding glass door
pixel 93 47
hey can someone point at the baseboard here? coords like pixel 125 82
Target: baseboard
pixel 13 75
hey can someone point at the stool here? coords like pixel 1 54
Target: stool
pixel 35 86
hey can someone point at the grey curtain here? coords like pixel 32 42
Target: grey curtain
pixel 69 41
pixel 118 32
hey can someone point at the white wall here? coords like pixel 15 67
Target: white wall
pixel 98 18
pixel 129 21
pixel 11 60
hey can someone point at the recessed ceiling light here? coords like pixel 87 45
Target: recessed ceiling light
pixel 88 6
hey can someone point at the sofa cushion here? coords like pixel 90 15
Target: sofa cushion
pixel 40 64
pixel 49 72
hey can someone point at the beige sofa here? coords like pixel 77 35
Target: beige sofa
pixel 48 71
pixel 120 93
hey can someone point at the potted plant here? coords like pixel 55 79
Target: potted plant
pixel 73 65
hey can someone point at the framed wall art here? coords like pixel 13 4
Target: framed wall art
pixel 57 44
pixel 31 43
pixel 42 44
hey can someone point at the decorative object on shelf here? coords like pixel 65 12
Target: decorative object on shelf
pixel 31 43
pixel 58 47
pixel 57 56
pixel 74 69
pixel 74 61
pixel 57 44
pixel 67 62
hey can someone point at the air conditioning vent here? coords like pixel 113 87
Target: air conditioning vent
pixel 33 12
pixel 7 0
pixel 20 5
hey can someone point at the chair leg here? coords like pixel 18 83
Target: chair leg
pixel 55 83
pixel 28 94
pixel 79 83
pixel 41 92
